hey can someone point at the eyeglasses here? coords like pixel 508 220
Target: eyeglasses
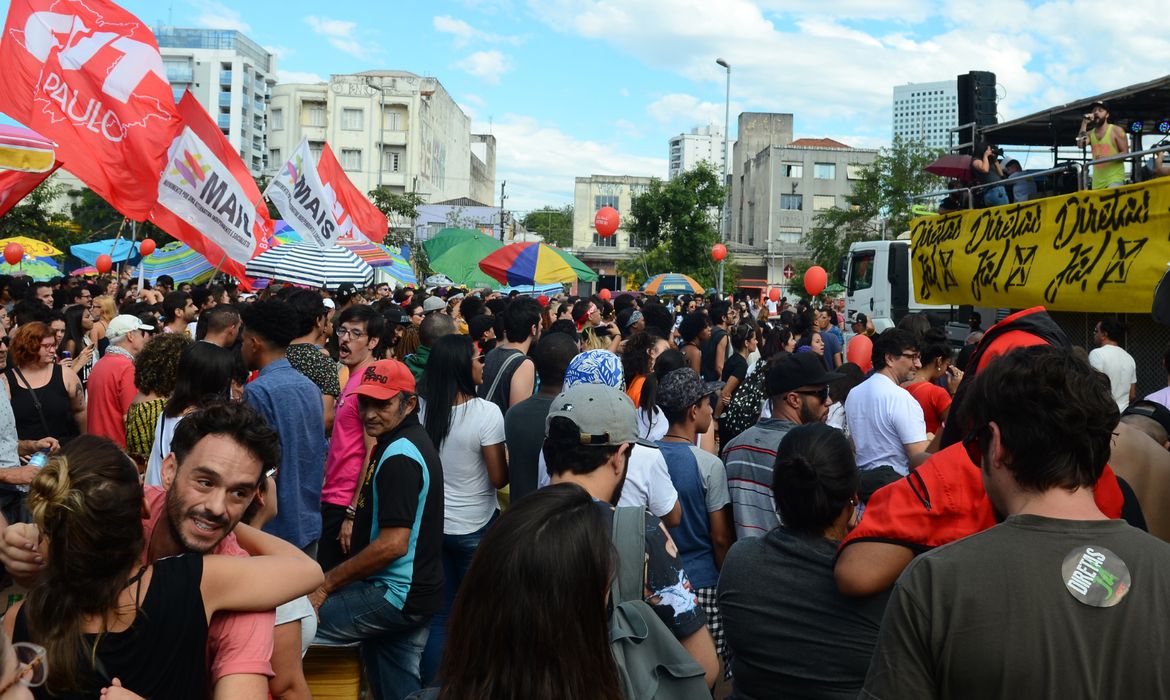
pixel 32 666
pixel 912 356
pixel 419 312
pixel 4 340
pixel 350 333
pixel 973 444
pixel 479 359
pixel 822 393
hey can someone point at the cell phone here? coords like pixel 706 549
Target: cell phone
pixel 39 458
pixel 65 355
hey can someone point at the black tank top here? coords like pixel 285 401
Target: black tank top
pixel 163 652
pixel 55 406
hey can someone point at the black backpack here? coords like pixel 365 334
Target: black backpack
pixel 743 411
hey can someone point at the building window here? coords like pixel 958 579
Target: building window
pixel 313 114
pixel 788 236
pixel 823 201
pixel 792 202
pixel 853 171
pixel 392 119
pixel 351 119
pixel 351 159
pixel 274 159
pixel 825 171
pixel 277 119
pixel 793 170
pixel 316 148
pixel 392 161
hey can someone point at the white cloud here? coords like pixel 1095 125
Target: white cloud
pixel 342 35
pixel 214 15
pixel 465 34
pixel 292 76
pixel 688 110
pixel 629 128
pixel 488 66
pixel 540 161
pixel 624 92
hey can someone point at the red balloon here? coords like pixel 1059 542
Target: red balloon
pixel 605 295
pixel 13 252
pixel 104 263
pixel 718 252
pixel 146 247
pixel 774 294
pixel 815 279
pixel 860 352
pixel 542 300
pixel 607 221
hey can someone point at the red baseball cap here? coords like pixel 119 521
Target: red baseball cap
pixel 385 378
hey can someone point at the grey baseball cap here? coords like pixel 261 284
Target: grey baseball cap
pixel 604 415
pixel 682 388
pixel 433 304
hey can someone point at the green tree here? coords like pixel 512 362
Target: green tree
pixel 675 223
pixel 262 184
pixel 401 210
pixel 880 203
pixel 92 214
pixel 554 225
pixel 34 217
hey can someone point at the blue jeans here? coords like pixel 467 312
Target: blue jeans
pixel 391 641
pixel 458 551
pixel 995 197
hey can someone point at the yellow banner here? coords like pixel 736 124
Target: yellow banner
pixel 1101 250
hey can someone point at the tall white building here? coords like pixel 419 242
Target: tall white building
pixel 390 129
pixel 231 76
pixel 926 112
pixel 704 143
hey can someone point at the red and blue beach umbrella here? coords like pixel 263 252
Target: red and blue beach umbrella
pixel 519 264
pixel 669 283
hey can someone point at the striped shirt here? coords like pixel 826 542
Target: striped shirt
pixel 749 459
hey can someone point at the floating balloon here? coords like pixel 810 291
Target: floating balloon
pixel 774 294
pixel 146 247
pixel 542 300
pixel 104 263
pixel 718 252
pixel 606 221
pixel 13 252
pixel 860 352
pixel 815 279
pixel 605 295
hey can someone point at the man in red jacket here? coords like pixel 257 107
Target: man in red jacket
pixel 111 382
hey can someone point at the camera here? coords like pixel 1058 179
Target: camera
pixel 997 151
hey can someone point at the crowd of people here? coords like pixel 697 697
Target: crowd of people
pixel 569 497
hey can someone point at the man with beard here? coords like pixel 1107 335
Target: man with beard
pixel 359 333
pixel 590 431
pixel 886 422
pixel 178 312
pixel 219 456
pixel 798 385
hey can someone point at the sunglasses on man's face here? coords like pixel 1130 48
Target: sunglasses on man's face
pixel 822 394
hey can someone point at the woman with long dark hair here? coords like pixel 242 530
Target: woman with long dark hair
pixel 937 356
pixel 78 324
pixel 638 358
pixel 468 432
pixel 551 551
pixel 205 372
pixel 102 614
pixel 787 625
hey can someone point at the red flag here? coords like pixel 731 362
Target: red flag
pixel 208 199
pixel 15 184
pixel 351 209
pixel 88 76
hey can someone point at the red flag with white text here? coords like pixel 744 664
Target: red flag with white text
pixel 207 197
pixel 353 211
pixel 16 184
pixel 88 76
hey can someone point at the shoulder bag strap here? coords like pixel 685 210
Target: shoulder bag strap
pixel 629 538
pixel 500 375
pixel 36 400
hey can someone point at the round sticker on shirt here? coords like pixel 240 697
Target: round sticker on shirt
pixel 1095 576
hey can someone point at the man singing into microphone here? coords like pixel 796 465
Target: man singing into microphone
pixel 1107 140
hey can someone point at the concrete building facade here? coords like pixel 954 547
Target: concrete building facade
pixel 926 112
pixel 390 129
pixel 779 185
pixel 592 193
pixel 231 76
pixel 703 144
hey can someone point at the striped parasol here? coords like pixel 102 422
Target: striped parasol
pixel 382 258
pixel 37 269
pixel 310 266
pixel 179 261
pixel 672 283
pixel 534 263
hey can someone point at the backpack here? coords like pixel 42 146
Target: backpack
pixel 651 663
pixel 743 410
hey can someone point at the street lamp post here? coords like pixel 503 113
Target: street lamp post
pixel 726 139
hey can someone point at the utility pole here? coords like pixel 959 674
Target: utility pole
pixel 502 198
pixel 726 137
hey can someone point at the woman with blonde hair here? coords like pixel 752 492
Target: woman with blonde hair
pixel 104 310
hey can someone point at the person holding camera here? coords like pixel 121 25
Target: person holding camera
pixel 1106 140
pixel 986 170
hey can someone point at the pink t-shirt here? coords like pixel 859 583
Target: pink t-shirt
pixel 111 389
pixel 237 642
pixel 347 447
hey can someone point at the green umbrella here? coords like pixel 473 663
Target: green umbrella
pixel 448 238
pixel 33 268
pixel 460 261
pixel 835 288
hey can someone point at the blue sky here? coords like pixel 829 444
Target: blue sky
pixel 576 87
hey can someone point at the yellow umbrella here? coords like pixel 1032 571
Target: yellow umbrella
pixel 33 247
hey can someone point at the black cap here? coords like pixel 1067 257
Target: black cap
pixel 1098 103
pixel 1150 409
pixel 395 314
pixel 796 370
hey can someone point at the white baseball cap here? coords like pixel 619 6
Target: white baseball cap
pixel 123 325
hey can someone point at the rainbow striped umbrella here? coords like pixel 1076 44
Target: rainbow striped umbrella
pixel 180 262
pixel 382 258
pixel 672 283
pixel 534 263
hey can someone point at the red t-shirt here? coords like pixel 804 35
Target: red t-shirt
pixel 934 400
pixel 111 389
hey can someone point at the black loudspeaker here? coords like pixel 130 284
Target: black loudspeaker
pixel 976 93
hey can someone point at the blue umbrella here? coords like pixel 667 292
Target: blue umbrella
pixel 122 250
